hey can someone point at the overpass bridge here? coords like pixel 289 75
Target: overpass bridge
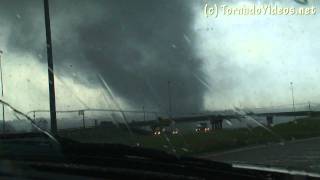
pixel 215 118
pixel 297 113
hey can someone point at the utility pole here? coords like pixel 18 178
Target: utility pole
pixel 3 117
pixel 52 99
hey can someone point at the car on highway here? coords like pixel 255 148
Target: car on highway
pixel 202 128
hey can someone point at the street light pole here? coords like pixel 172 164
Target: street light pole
pixel 144 114
pixel 3 117
pixel 169 100
pixel 292 95
pixel 309 106
pixel 83 121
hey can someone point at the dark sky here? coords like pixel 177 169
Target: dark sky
pixel 136 46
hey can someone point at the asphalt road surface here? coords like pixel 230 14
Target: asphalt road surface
pixel 294 155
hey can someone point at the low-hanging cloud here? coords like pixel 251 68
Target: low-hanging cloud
pixel 137 47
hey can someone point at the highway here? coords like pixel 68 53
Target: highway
pixel 292 155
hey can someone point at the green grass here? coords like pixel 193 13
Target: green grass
pixel 230 139
pixel 217 141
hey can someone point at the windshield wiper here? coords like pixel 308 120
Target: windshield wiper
pixel 17 112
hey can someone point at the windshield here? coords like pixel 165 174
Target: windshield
pixel 233 81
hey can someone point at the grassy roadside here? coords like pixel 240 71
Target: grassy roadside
pixel 193 143
pixel 231 139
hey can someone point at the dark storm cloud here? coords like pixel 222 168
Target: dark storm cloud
pixel 25 28
pixel 136 46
